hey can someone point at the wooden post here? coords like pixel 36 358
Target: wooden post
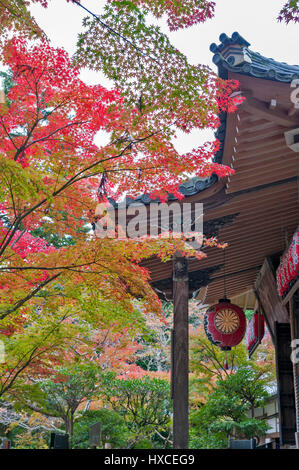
pixel 294 336
pixel 285 382
pixel 180 353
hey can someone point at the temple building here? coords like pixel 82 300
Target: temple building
pixel 255 211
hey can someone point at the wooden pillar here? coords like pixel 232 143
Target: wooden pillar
pixel 180 353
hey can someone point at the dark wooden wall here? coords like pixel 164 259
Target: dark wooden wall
pixel 285 383
pixel 278 322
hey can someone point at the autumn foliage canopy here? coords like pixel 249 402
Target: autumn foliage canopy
pixel 53 174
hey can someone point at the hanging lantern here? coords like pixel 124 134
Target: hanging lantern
pixel 255 332
pixel 288 270
pixel 225 324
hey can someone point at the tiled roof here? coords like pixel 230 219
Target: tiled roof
pixel 233 54
pixel 189 188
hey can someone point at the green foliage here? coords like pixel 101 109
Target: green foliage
pixel 248 385
pixel 61 395
pixel 226 411
pixel 248 314
pixel 53 238
pixel 207 363
pixel 113 429
pixel 205 439
pixel 144 403
pixel 29 440
pixel 144 444
pixel 37 346
pixel 15 16
pixel 7 82
pixel 146 69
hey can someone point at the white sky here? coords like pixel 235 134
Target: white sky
pixel 255 20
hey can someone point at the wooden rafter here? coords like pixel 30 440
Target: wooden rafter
pixel 257 107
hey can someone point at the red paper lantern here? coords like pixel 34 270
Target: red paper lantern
pixel 288 270
pixel 255 331
pixel 225 324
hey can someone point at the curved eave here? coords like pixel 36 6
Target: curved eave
pixel 272 72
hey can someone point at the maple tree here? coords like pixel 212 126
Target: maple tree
pixel 14 13
pixel 33 350
pixel 57 374
pixel 52 176
pixel 40 344
pixel 158 84
pixel 51 171
pixel 62 393
pixel 290 12
pixel 40 146
pixel 180 15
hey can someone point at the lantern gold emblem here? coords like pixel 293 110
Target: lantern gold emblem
pixel 226 321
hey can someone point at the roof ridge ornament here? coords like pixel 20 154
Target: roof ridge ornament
pixel 233 54
pixel 225 41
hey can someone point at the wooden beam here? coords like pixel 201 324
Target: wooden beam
pixel 260 167
pixel 180 353
pixel 259 108
pixel 245 184
pixel 246 301
pixel 292 111
pixel 261 143
pixel 291 293
pixel 253 137
pixel 247 129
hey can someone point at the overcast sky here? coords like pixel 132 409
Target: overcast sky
pixel 255 20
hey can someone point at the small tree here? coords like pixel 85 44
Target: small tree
pixel 144 404
pixel 113 429
pixel 226 412
pixel 61 395
pixel 207 363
